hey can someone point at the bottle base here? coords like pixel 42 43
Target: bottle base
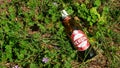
pixel 86 55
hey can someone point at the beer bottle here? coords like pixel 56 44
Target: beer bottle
pixel 78 37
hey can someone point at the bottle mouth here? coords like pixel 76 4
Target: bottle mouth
pixel 64 14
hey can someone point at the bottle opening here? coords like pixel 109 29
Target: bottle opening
pixel 64 14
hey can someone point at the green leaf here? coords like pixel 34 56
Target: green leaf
pixel 23 44
pixel 105 10
pixel 33 65
pixel 57 65
pixel 73 55
pixel 21 56
pixel 103 19
pixel 98 34
pixel 91 23
pixel 11 9
pixel 89 18
pixel 97 3
pixel 67 64
pixel 69 10
pixel 31 23
pixel 83 12
pixel 60 31
pixel 84 8
pixel 32 3
pixel 93 11
pixel 40 17
pixel 54 18
pixel 42 28
pixel 4 58
pixel 50 11
pixel 8 52
pixel 47 20
pixel 8 49
pixel 6 28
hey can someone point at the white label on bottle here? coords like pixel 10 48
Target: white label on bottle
pixel 80 40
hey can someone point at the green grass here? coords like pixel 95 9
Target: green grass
pixel 32 30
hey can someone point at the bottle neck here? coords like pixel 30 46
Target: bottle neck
pixel 66 19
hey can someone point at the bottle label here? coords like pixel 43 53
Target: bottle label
pixel 80 40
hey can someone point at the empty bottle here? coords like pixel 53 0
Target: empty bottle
pixel 78 37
